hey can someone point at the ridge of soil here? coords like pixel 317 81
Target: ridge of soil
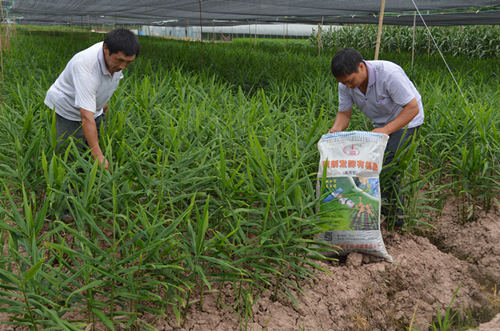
pixel 475 242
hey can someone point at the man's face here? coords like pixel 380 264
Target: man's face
pixel 356 79
pixel 116 61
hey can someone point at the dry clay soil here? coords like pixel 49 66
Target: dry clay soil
pixel 363 294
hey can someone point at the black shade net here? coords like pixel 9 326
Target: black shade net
pixel 234 12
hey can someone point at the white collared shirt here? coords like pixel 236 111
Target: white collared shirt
pixel 84 83
pixel 389 90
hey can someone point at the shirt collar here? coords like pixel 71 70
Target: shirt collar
pixel 102 63
pixel 371 73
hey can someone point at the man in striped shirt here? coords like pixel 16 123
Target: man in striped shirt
pixel 382 91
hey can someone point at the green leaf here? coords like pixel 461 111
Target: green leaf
pixel 32 271
pixel 102 316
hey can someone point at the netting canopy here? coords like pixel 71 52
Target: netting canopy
pixel 234 12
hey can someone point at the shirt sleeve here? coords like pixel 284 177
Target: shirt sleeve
pixel 400 89
pixel 85 83
pixel 345 99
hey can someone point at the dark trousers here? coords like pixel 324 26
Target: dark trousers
pixel 391 175
pixel 66 128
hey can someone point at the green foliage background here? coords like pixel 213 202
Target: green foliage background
pixel 478 41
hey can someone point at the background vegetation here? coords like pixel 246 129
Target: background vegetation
pixel 479 41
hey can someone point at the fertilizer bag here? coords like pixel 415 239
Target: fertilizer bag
pixel 350 192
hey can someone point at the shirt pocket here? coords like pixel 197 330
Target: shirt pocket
pixel 383 100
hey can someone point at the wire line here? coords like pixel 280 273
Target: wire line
pixel 439 50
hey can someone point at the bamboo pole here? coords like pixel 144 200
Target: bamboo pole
pixel 286 25
pixel 320 32
pixel 428 40
pixel 1 50
pixel 6 29
pixel 150 37
pixel 413 39
pixel 1 37
pixel 255 36
pixel 12 32
pixel 1 11
pixel 379 33
pixel 8 33
pixel 201 37
pixel 319 39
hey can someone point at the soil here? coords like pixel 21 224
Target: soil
pixel 365 293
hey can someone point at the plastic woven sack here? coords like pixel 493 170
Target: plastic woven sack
pixel 351 162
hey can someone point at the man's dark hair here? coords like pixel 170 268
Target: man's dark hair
pixel 345 62
pixel 122 40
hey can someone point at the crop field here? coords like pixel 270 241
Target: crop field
pixel 213 168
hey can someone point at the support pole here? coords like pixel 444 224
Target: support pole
pixel 286 24
pixel 1 50
pixel 201 37
pixel 320 33
pixel 11 28
pixel 8 32
pixel 255 36
pixel 1 37
pixel 319 39
pixel 413 39
pixel 379 33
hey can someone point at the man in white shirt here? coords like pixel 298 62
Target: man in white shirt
pixel 80 94
pixel 382 91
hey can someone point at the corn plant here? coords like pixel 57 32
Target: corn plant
pixel 471 41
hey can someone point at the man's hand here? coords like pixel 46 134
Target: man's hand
pixel 381 130
pixel 103 162
pixel 90 131
pixel 334 129
pixel 341 121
